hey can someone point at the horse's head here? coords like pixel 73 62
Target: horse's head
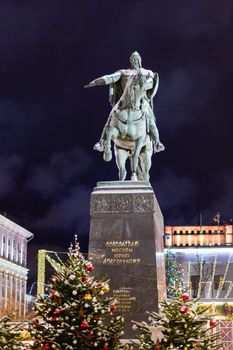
pixel 134 90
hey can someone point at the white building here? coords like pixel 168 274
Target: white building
pixel 204 259
pixel 13 271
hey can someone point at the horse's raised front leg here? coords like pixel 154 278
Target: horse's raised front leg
pixel 135 157
pixel 111 134
pixel 121 155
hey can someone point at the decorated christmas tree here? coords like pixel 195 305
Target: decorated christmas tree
pixel 174 277
pixel 76 314
pixel 181 324
pixel 10 334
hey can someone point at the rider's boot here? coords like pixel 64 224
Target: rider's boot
pixel 158 147
pixel 99 146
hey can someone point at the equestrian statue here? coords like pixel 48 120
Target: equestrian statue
pixel 131 124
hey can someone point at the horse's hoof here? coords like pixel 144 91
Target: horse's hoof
pixel 107 156
pixel 122 175
pixel 134 177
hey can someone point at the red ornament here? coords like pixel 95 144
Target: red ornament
pixel 57 312
pixel 184 310
pixel 106 347
pixel 90 267
pixel 84 279
pixel 185 296
pixel 34 320
pixel 197 345
pixel 113 308
pixel 84 325
pixel 46 347
pixel 53 319
pixel 91 333
pixel 213 323
pixel 52 294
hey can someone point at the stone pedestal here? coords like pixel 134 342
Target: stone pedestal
pixel 126 244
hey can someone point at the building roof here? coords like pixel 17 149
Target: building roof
pixel 5 222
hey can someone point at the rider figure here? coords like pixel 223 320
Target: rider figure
pixel 117 82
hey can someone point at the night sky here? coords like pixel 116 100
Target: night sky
pixel 49 122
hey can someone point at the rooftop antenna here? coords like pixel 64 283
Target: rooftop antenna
pixel 217 218
pixel 200 220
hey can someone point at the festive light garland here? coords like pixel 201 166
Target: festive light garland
pixel 189 283
pixel 200 278
pixel 42 257
pixel 41 272
pixel 224 277
pixel 56 265
pixel 212 277
pixel 229 289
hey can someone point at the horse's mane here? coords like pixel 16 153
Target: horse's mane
pixel 128 90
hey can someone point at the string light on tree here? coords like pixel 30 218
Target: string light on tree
pixel 77 310
pixel 179 325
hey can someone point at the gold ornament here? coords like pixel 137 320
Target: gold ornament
pixel 25 334
pixel 105 288
pixel 87 297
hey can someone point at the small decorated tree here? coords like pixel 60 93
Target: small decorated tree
pixel 174 278
pixel 77 314
pixel 10 334
pixel 179 325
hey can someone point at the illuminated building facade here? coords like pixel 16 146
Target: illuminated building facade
pixel 200 260
pixel 13 271
pixel 197 236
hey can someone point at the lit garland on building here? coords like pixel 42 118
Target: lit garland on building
pixel 200 278
pixel 212 276
pixel 224 277
pixel 229 289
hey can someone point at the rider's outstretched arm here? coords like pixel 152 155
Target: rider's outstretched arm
pixel 105 80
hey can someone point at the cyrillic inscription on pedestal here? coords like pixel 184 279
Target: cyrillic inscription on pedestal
pixel 126 243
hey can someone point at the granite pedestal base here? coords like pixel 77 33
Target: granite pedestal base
pixel 126 244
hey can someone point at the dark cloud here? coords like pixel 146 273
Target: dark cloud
pixel 10 169
pixel 62 168
pixel 177 196
pixel 70 210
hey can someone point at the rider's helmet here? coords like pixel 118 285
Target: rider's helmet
pixel 135 60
